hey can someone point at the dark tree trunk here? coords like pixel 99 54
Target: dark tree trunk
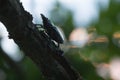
pixel 35 45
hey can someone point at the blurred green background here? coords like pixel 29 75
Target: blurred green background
pixel 92 47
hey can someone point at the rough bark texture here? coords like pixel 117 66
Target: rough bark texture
pixel 36 45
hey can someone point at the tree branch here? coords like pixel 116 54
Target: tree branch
pixel 34 43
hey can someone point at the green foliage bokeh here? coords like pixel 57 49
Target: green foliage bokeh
pixel 82 59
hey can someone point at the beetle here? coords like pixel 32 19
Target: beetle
pixel 51 30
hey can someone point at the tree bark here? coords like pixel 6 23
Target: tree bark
pixel 36 45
